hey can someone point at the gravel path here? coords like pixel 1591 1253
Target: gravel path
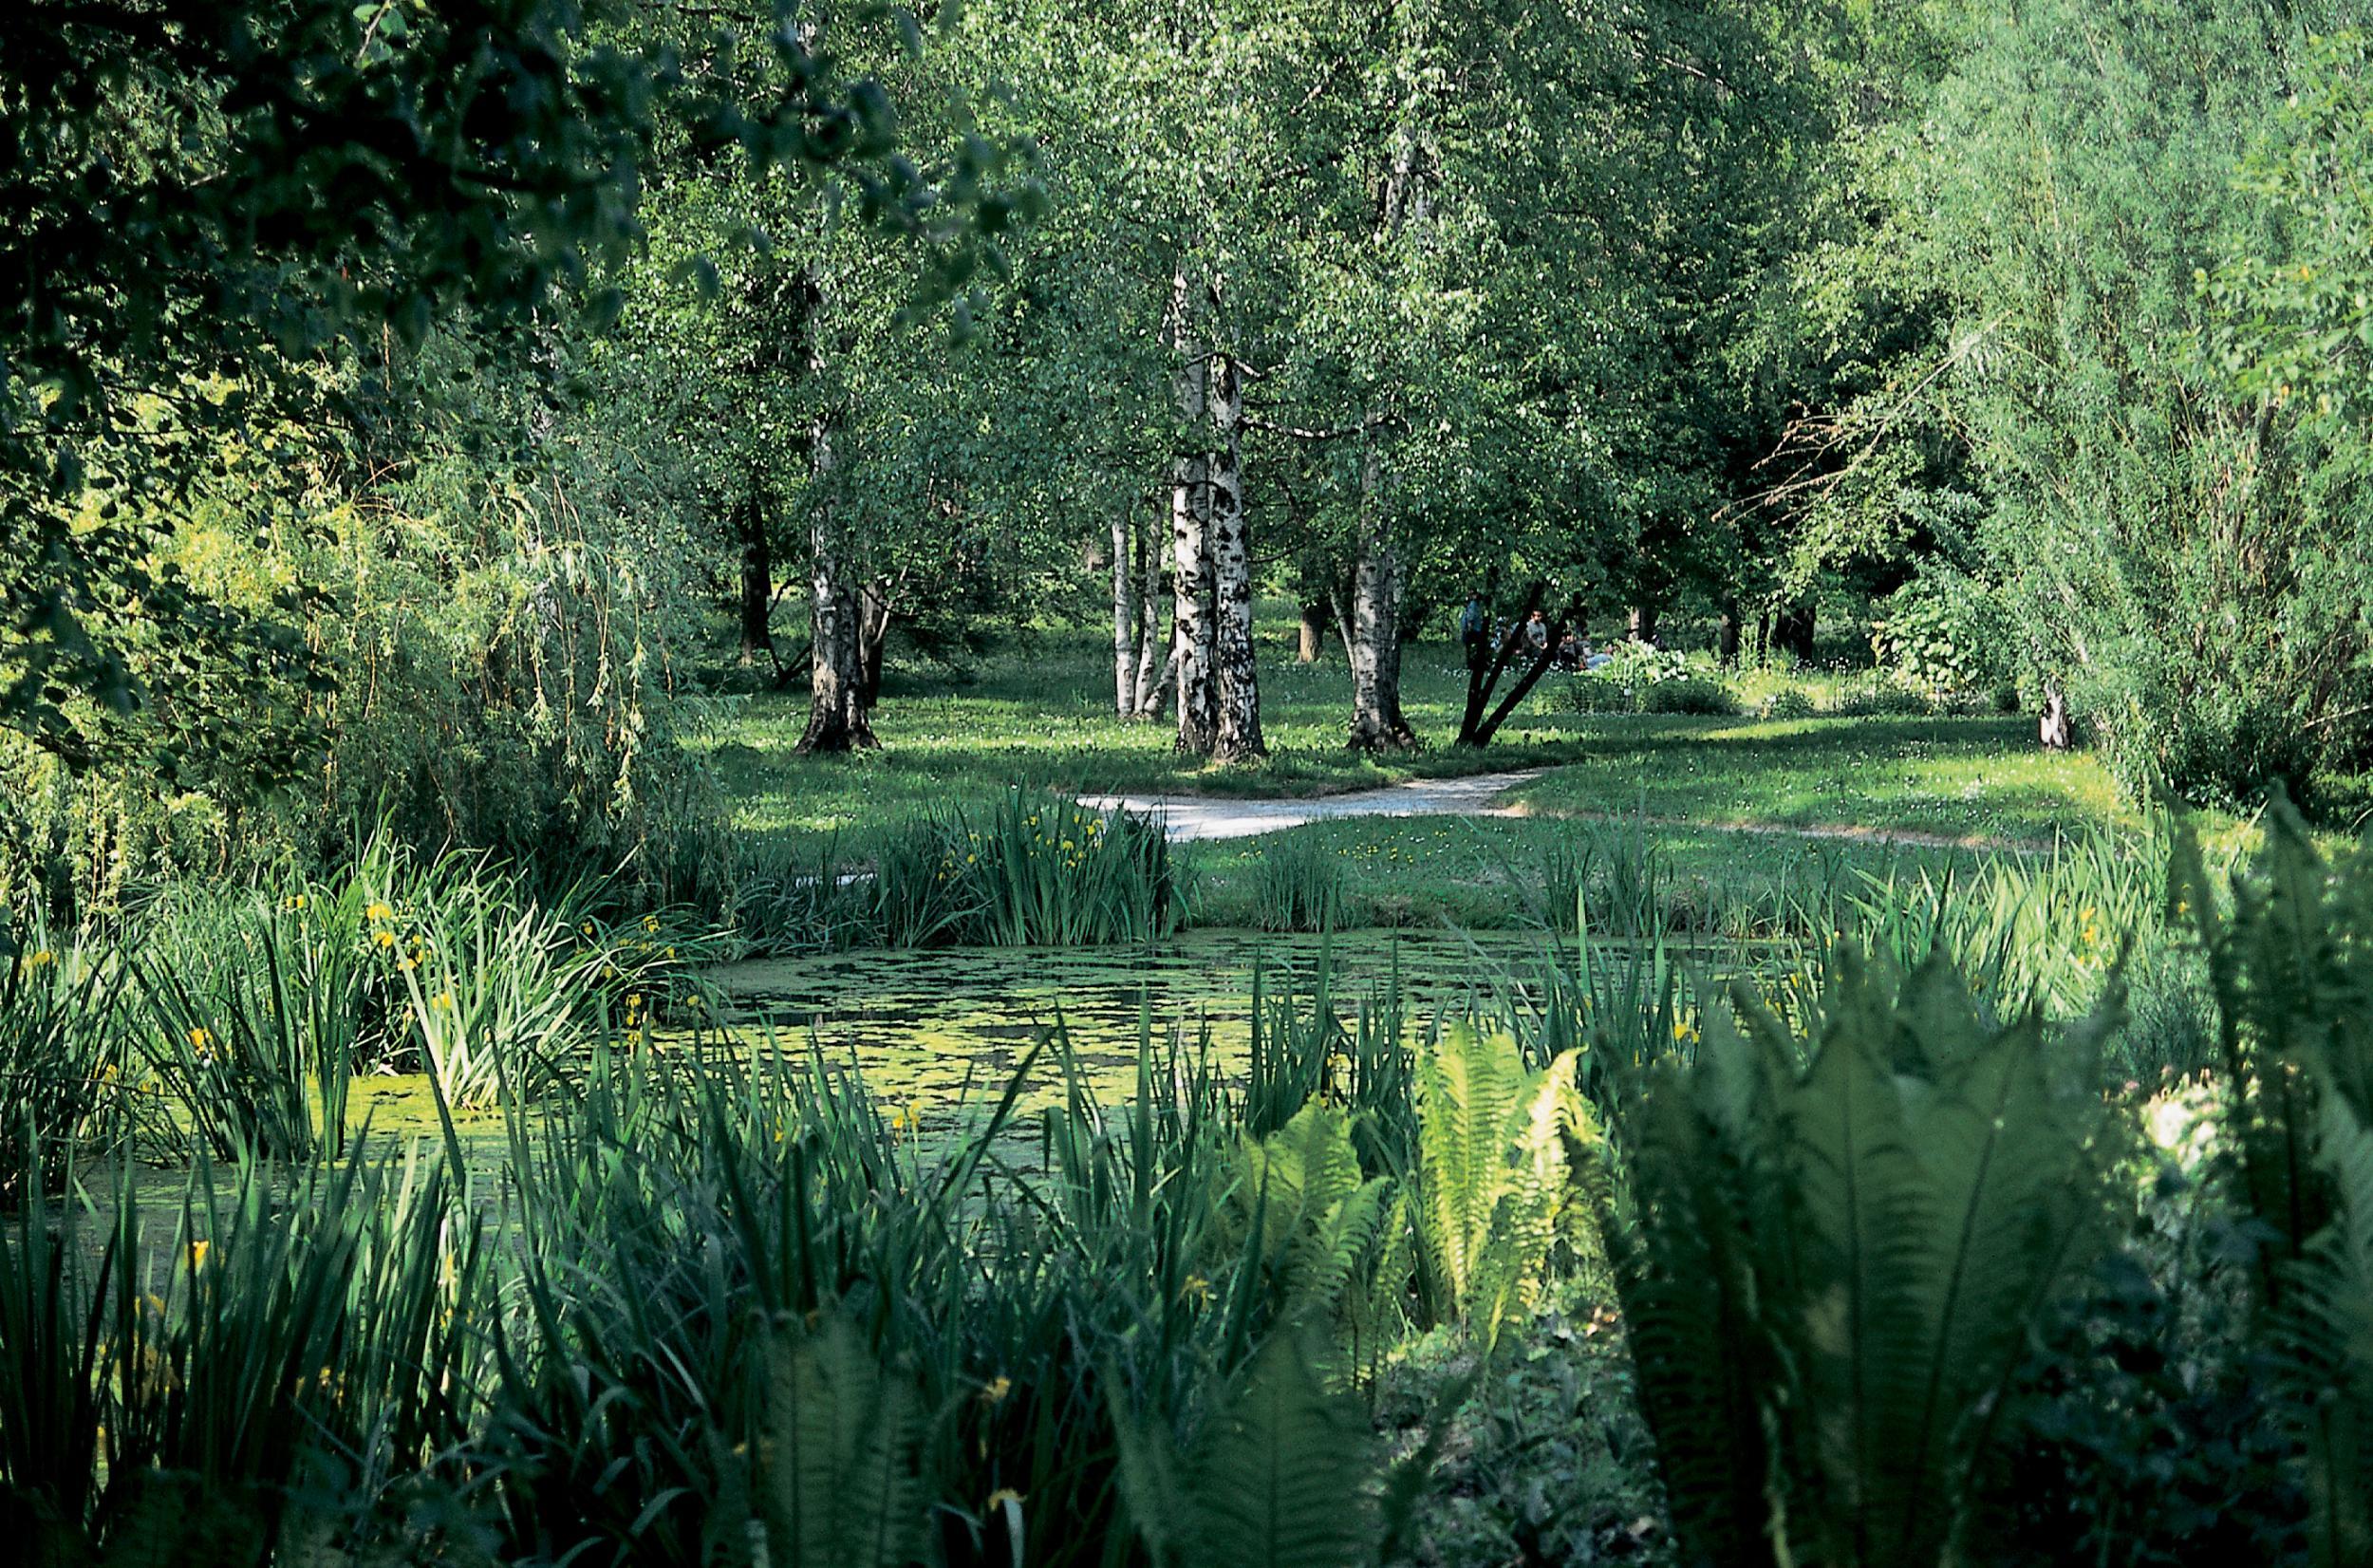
pixel 1202 816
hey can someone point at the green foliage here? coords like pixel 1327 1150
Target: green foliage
pixel 1833 1270
pixel 63 1061
pixel 1944 635
pixel 840 1455
pixel 2180 556
pixel 1281 1473
pixel 1301 885
pixel 1499 1147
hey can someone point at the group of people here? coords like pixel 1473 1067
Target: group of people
pixel 1479 633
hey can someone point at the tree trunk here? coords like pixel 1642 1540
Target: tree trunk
pixel 1124 620
pixel 1541 661
pixel 2054 729
pixel 1643 622
pixel 1727 645
pixel 1236 674
pixel 1311 640
pixel 873 619
pixel 1375 638
pixel 1794 631
pixel 1154 681
pixel 757 579
pixel 1190 544
pixel 836 712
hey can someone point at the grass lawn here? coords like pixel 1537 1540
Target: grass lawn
pixel 1038 713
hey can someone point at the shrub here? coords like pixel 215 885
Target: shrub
pixel 1880 699
pixel 1643 679
pixel 1944 634
pixel 1689 694
pixel 1789 702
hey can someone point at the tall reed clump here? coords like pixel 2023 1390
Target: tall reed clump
pixel 62 1060
pixel 1035 869
pixel 286 1367
pixel 1043 869
pixel 1300 884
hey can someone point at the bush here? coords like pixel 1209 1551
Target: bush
pixel 1691 694
pixel 1641 678
pixel 1878 698
pixel 1789 702
pixel 1944 634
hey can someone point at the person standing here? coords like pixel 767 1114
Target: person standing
pixel 1473 630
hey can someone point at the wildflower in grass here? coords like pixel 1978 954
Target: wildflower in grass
pixel 405 966
pixel 650 922
pixel 197 1255
pixel 907 1119
pixel 994 1390
pixel 1197 1288
pixel 200 1039
pixel 379 912
pixel 444 1002
pixel 37 960
pixel 385 938
pixel 294 901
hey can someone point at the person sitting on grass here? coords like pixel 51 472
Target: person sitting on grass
pixel 1601 659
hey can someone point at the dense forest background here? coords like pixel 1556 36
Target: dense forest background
pixel 441 413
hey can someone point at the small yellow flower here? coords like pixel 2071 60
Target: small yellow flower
pixel 295 900
pixel 587 928
pixel 379 911
pixel 994 1390
pixel 1196 1286
pixel 405 966
pixel 197 1255
pixel 443 1001
pixel 385 938
pixel 35 961
pixel 650 922
pixel 1004 1497
pixel 200 1039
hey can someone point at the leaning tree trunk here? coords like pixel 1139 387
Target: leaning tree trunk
pixel 1236 674
pixel 1374 639
pixel 837 721
pixel 757 579
pixel 1190 545
pixel 1124 620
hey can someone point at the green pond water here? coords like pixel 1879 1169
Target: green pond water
pixel 923 1026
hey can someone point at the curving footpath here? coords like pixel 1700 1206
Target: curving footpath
pixel 1187 817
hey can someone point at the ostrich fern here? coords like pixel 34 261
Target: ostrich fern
pixel 1834 1269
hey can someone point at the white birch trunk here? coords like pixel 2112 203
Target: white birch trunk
pixel 1235 673
pixel 1375 643
pixel 1190 544
pixel 1124 605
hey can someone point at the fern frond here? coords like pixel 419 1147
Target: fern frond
pixel 841 1456
pixel 1283 1477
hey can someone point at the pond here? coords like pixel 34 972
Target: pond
pixel 924 1025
